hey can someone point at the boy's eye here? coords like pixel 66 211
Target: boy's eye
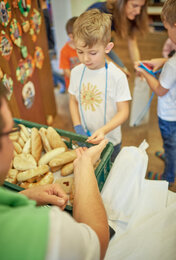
pixel 79 52
pixel 93 53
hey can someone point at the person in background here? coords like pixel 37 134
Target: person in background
pixel 99 91
pixel 29 231
pixel 169 48
pixel 129 17
pixel 68 55
pixel 165 89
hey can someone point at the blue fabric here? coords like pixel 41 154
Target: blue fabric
pixel 168 133
pixel 115 58
pixel 115 152
pixel 80 130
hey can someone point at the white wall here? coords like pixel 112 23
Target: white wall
pixel 79 6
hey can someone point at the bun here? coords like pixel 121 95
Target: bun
pixel 43 134
pixel 17 147
pixel 40 170
pixel 36 144
pixel 24 130
pixel 47 179
pixel 12 176
pixel 27 146
pixel 63 158
pixel 24 162
pixel 47 157
pixel 67 169
pixel 66 183
pixel 54 139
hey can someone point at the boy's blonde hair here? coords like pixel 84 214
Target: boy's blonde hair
pixel 169 12
pixel 92 27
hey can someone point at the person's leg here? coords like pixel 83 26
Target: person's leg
pixel 115 152
pixel 168 132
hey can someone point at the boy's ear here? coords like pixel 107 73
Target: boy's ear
pixel 109 47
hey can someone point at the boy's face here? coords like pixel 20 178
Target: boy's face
pixel 94 57
pixel 171 31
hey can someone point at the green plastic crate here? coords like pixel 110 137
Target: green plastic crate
pixel 102 169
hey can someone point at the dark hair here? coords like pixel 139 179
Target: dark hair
pixel 69 24
pixel 123 26
pixel 3 94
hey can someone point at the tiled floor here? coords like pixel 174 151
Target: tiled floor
pixel 150 47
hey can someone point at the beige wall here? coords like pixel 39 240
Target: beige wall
pixel 79 6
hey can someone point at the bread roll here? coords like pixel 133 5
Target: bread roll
pixel 36 144
pixel 12 176
pixel 17 147
pixel 40 170
pixel 21 142
pixel 24 162
pixel 27 146
pixel 66 183
pixel 47 157
pixel 14 136
pixel 43 134
pixel 46 179
pixel 24 130
pixel 54 138
pixel 67 169
pixel 63 158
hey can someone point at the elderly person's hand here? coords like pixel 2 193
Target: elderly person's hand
pixel 47 194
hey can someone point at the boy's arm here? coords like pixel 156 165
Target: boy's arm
pixel 120 117
pixel 74 111
pixel 154 83
pixel 67 72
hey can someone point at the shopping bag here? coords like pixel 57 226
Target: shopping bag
pixel 124 185
pixel 140 103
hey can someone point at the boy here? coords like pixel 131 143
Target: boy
pixel 99 91
pixel 68 55
pixel 165 89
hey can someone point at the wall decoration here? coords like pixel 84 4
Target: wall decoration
pixel 21 71
pixel 5 12
pixel 28 94
pixel 24 51
pixel 8 83
pixel 5 45
pixel 30 65
pixel 16 32
pixel 1 74
pixel 35 21
pixel 38 57
pixel 24 6
pixel 25 26
pixel 15 4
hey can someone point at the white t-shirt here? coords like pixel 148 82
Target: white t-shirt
pixel 167 103
pixel 69 240
pixel 93 96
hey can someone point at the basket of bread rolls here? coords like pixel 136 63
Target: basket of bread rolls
pixel 44 155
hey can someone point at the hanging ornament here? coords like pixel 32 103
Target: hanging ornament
pixel 8 83
pixel 35 21
pixel 15 4
pixel 5 45
pixel 16 32
pixel 21 71
pixel 1 74
pixel 30 65
pixel 28 94
pixel 25 26
pixel 38 57
pixel 24 6
pixel 5 13
pixel 24 51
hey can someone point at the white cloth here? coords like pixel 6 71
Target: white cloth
pixel 167 103
pixel 93 96
pixel 71 240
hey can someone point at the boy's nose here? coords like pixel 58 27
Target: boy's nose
pixel 86 58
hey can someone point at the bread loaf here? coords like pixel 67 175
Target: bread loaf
pixel 47 157
pixel 12 176
pixel 54 139
pixel 43 134
pixel 24 162
pixel 17 147
pixel 36 144
pixel 46 179
pixel 40 170
pixel 63 158
pixel 27 146
pixel 66 183
pixel 67 169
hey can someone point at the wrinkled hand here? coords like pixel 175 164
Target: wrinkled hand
pixel 47 194
pixel 96 137
pixel 93 152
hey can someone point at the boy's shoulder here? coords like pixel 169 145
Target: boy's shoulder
pixel 113 69
pixel 77 69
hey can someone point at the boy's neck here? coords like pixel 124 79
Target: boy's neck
pixel 71 44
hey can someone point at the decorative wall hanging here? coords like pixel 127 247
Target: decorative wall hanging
pixel 28 94
pixel 15 4
pixel 38 57
pixel 5 13
pixel 21 71
pixel 25 26
pixel 24 51
pixel 8 83
pixel 1 74
pixel 5 45
pixel 24 6
pixel 16 32
pixel 35 21
pixel 30 65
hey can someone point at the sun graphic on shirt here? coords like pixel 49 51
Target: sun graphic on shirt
pixel 90 97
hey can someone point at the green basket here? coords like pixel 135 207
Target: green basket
pixel 102 169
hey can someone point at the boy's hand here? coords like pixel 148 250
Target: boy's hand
pixel 96 137
pixel 80 130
